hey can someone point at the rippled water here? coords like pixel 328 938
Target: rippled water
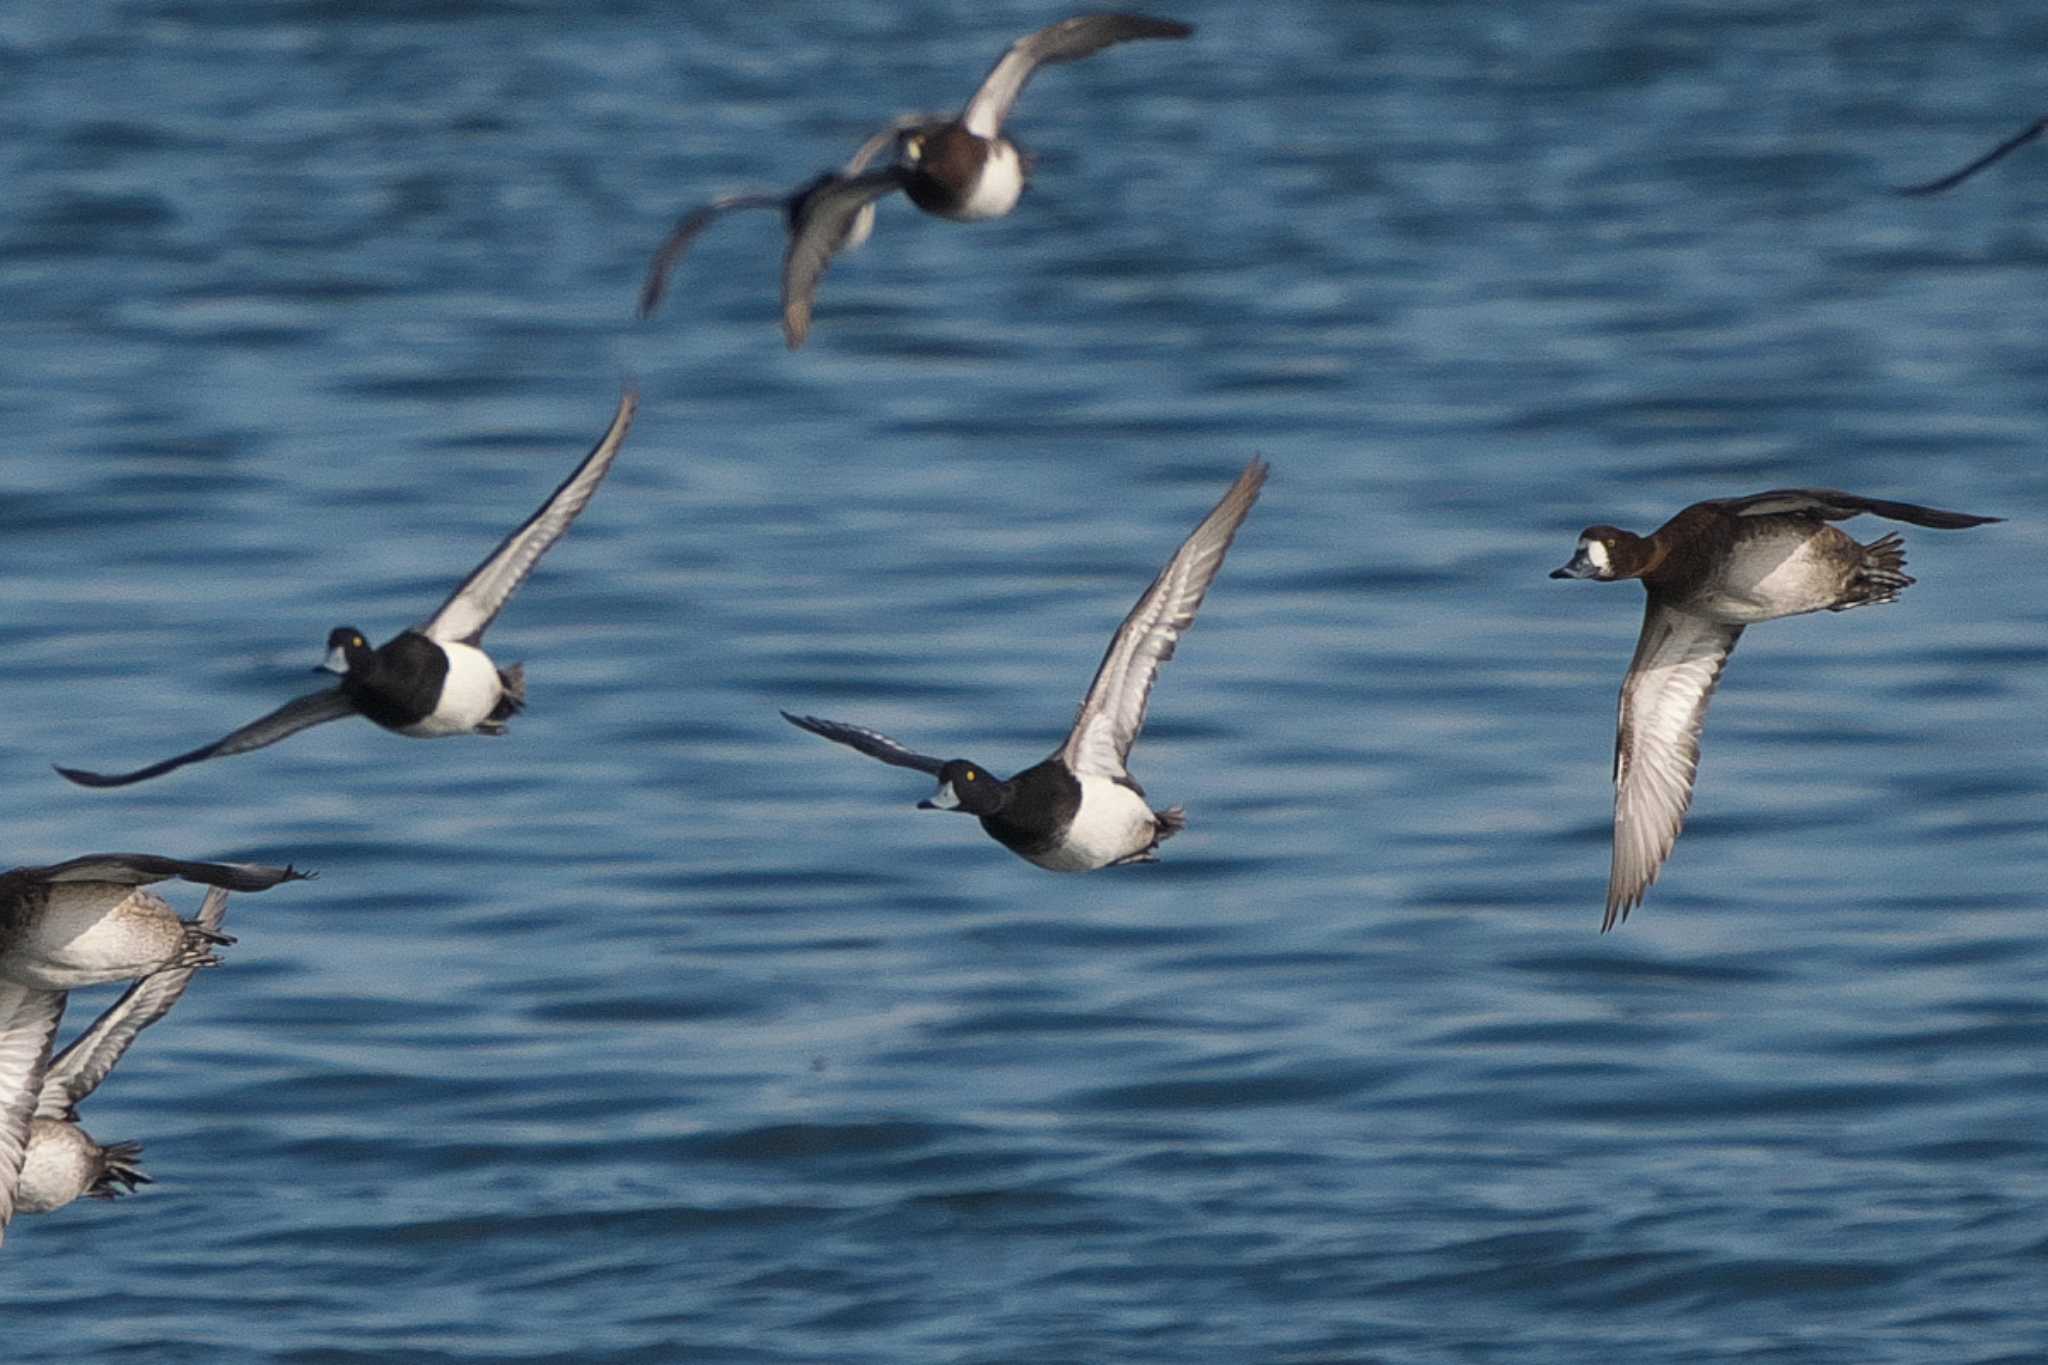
pixel 661 1031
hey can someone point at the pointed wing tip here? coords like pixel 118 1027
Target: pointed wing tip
pixel 88 779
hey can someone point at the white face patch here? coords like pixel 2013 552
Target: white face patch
pixel 336 662
pixel 1596 555
pixel 945 798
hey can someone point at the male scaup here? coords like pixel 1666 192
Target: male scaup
pixel 1711 570
pixel 63 1162
pixel 960 167
pixel 1081 809
pixel 1955 178
pixel 433 680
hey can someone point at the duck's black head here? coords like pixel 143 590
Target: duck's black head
pixel 968 788
pixel 347 651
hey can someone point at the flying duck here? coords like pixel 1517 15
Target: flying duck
pixel 1081 809
pixel 433 680
pixel 63 1162
pixel 1711 570
pixel 81 923
pixel 959 167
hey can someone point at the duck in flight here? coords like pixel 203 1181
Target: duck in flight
pixel 84 922
pixel 63 1163
pixel 434 679
pixel 1955 178
pixel 1710 571
pixel 955 166
pixel 791 204
pixel 1081 809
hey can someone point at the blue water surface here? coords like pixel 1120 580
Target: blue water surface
pixel 661 1031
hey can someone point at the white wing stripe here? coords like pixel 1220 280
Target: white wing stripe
pixel 1663 708
pixel 1113 712
pixel 28 1020
pixel 481 596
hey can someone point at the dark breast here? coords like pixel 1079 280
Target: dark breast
pixel 1694 550
pixel 1041 807
pixel 945 175
pixel 404 684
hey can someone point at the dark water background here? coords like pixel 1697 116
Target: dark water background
pixel 659 1031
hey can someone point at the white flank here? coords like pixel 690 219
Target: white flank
pixel 996 191
pixel 469 694
pixel 1113 822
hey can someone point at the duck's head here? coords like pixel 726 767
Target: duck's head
pixel 1602 553
pixel 968 788
pixel 347 651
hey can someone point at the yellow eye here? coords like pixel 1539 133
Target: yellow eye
pixel 970 774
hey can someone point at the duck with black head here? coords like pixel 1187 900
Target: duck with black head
pixel 433 680
pixel 1080 809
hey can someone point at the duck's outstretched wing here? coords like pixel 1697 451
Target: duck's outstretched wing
pixel 78 1070
pixel 685 231
pixel 1677 665
pixel 1954 178
pixel 1113 712
pixel 1067 41
pixel 1831 504
pixel 825 222
pixel 479 598
pixel 28 1021
pixel 870 742
pixel 316 708
pixel 141 869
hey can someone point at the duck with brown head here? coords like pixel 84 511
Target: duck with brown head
pixel 1710 571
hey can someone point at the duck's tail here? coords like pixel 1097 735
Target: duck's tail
pixel 513 680
pixel 118 1172
pixel 1880 578
pixel 1169 822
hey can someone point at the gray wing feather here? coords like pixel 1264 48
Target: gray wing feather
pixel 28 1021
pixel 1677 665
pixel 474 604
pixel 78 1070
pixel 685 231
pixel 1113 712
pixel 870 742
pixel 1067 41
pixel 1831 504
pixel 316 708
pixel 829 214
pixel 140 869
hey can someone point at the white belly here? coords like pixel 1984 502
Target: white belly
pixel 57 1168
pixel 93 932
pixel 1787 579
pixel 997 191
pixel 1113 823
pixel 469 694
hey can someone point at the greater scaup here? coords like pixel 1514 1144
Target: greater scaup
pixel 1081 809
pixel 433 680
pixel 1711 570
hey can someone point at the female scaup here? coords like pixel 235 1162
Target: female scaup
pixel 1709 571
